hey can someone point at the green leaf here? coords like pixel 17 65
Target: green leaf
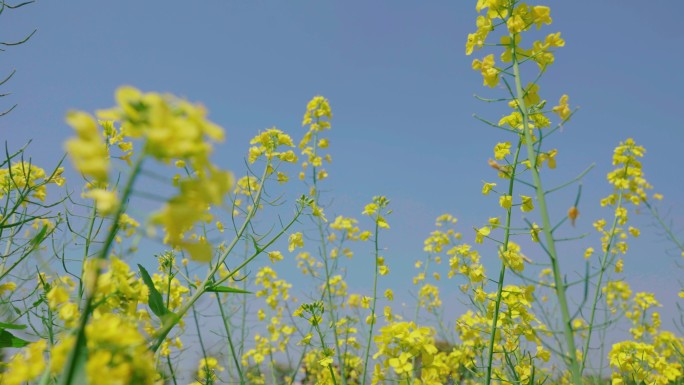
pixel 256 246
pixel 38 239
pixel 226 289
pixel 38 302
pixel 12 326
pixel 74 371
pixel 7 340
pixel 156 301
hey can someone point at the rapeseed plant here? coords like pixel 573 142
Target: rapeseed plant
pixel 110 323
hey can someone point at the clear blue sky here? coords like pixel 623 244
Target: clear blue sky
pixel 399 83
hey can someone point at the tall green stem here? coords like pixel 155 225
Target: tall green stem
pixel 374 303
pixel 233 353
pixel 325 257
pixel 329 298
pixel 571 354
pixel 502 273
pixel 330 368
pixel 597 292
pixel 86 251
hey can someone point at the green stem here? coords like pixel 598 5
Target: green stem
pixel 571 354
pixel 324 252
pixel 375 300
pixel 226 326
pixel 605 262
pixel 173 374
pixel 271 363
pixel 207 372
pixel 331 305
pixel 320 336
pixel 86 252
pixel 502 272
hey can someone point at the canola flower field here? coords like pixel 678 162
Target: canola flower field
pixel 96 316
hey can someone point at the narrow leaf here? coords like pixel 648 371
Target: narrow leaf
pixel 38 302
pixel 38 239
pixel 12 326
pixel 256 246
pixel 226 289
pixel 156 301
pixel 74 371
pixel 7 340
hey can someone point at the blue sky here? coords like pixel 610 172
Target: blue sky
pixel 400 86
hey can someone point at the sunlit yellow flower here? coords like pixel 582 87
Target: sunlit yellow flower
pixel 88 150
pixel 7 286
pixel 487 187
pixel 105 200
pixel 527 204
pixel 26 365
pixel 506 201
pixel 481 233
pixel 501 150
pixel 296 240
pixel 562 109
pixel 488 70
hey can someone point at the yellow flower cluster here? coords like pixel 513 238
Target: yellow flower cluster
pixel 348 230
pixel 627 177
pixel 519 20
pixel 25 177
pixel 629 188
pixel 336 285
pixel 206 371
pixel 642 363
pixel 465 260
pixel 247 187
pixel 118 289
pixel 274 290
pixel 308 264
pixel 407 350
pixel 487 67
pixel 654 355
pixel 276 295
pixel 267 143
pixel 513 258
pixel 428 297
pixel 317 118
pixel 317 365
pixel 524 16
pixel 26 365
pixel 617 293
pixel 438 239
pixel 476 40
pixel 295 241
pixel 501 333
pixel 58 296
pixel 377 210
pixel 87 150
pixel 117 354
pixel 170 129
